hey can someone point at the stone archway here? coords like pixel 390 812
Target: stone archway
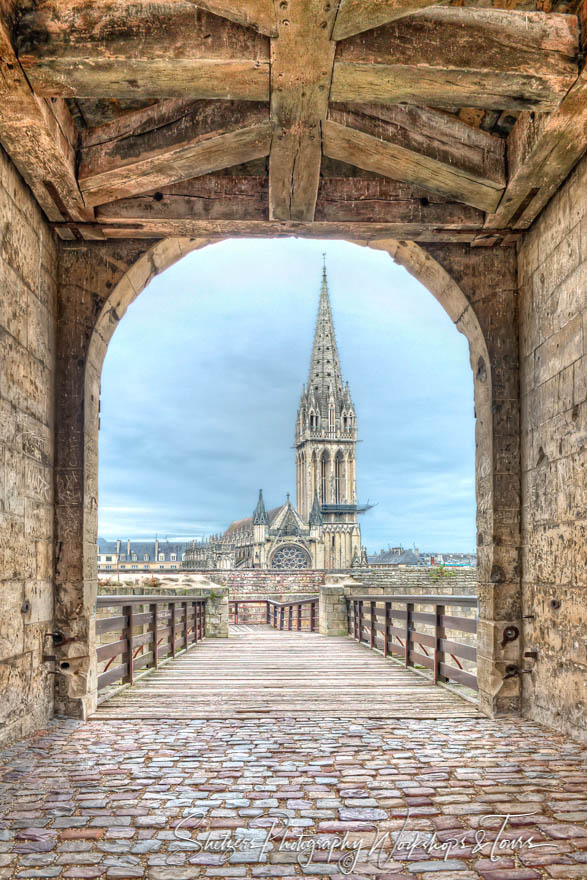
pixel 476 289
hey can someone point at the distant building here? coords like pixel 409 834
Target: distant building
pixel 401 557
pixel 322 530
pixel 140 556
pixel 397 556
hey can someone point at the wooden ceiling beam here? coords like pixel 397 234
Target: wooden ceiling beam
pixel 139 50
pixel 356 16
pixel 246 197
pixel 447 57
pixel 206 136
pixel 39 136
pixel 301 71
pixel 421 147
pixel 220 229
pixel 542 150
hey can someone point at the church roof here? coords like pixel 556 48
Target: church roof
pixel 247 523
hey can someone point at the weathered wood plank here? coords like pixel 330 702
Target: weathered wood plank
pixel 448 57
pixel 39 138
pixel 140 49
pixel 216 197
pixel 416 147
pixel 220 229
pixel 356 16
pixel 542 151
pixel 301 71
pixel 210 197
pixel 207 136
pixel 259 672
pixel 258 14
pixel 384 200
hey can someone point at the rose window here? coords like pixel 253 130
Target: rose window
pixel 290 556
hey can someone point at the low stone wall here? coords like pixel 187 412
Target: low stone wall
pixel 277 584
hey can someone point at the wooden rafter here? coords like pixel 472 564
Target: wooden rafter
pixel 449 57
pixel 205 136
pixel 542 150
pixel 258 14
pixel 355 16
pixel 146 49
pixel 421 147
pixel 301 70
pixel 40 138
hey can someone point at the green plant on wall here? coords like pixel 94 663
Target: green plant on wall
pixel 440 572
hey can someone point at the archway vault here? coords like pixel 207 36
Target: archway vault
pixel 476 288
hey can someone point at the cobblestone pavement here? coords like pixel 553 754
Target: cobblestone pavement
pixel 112 799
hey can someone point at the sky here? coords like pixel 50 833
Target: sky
pixel 202 380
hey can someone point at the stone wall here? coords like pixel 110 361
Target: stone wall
pixel 27 361
pixel 553 337
pixel 259 582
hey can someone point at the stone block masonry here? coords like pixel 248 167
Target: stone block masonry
pixel 28 268
pixel 247 583
pixel 552 269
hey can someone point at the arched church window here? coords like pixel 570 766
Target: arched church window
pixel 338 478
pixel 323 477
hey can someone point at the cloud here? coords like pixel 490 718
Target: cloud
pixel 201 384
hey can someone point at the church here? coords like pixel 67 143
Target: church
pixel 322 530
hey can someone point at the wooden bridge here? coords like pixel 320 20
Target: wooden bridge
pixel 283 671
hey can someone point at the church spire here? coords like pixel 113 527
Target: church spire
pixel 260 517
pixel 325 376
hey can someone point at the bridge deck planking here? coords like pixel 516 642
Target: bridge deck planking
pixel 260 672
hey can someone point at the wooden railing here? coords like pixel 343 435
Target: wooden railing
pixel 173 624
pixel 298 615
pixel 420 638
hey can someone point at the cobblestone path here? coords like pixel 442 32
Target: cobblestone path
pixel 106 799
pixel 167 799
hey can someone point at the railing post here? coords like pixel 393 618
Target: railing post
pixel 312 616
pixel 386 627
pixel 372 626
pixel 267 612
pixel 185 625
pixel 281 616
pixel 172 623
pixel 155 640
pixel 236 613
pixel 439 634
pixel 409 627
pixel 127 612
pixel 355 619
pixel 300 616
pixel 360 620
pixel 290 617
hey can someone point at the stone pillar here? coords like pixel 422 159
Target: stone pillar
pixel 332 613
pixel 88 271
pixel 487 277
pixel 217 613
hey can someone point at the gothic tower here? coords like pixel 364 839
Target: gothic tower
pixel 326 440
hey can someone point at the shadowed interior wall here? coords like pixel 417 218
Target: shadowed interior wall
pixel 553 295
pixel 28 269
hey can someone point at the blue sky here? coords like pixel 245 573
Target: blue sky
pixel 202 379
